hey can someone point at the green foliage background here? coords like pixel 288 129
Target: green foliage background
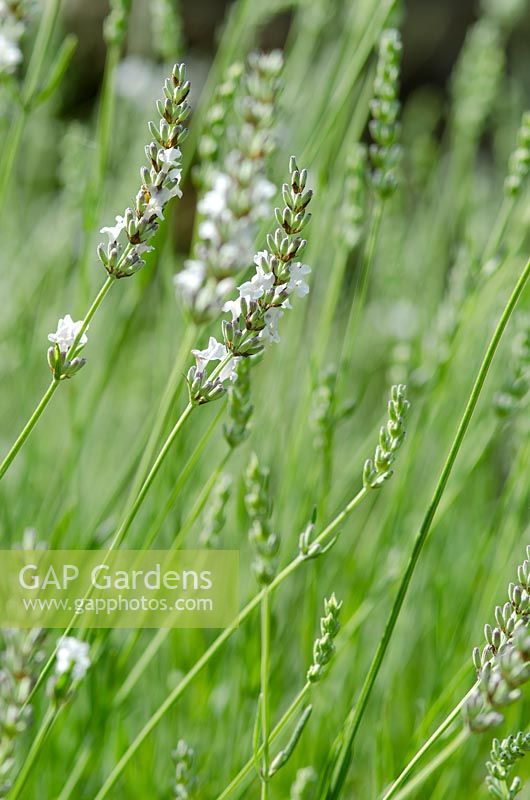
pixel 429 314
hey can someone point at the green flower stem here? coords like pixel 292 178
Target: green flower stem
pixel 81 762
pixel 355 717
pixel 402 777
pixel 31 85
pixel 433 765
pixel 155 644
pixel 42 734
pixel 216 645
pixel 167 402
pixel 153 472
pixel 248 768
pixel 30 424
pixel 47 396
pixel 264 684
pixel 149 654
pixel 126 524
pixel 183 475
pixel 354 623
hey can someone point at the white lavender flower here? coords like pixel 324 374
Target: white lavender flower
pixel 128 238
pixel 66 333
pixel 237 194
pixel 67 342
pixel 262 299
pixel 10 54
pixel 72 658
pixel 503 664
pixel 216 351
pixel 72 662
pixel 14 17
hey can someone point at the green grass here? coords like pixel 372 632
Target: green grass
pixel 425 317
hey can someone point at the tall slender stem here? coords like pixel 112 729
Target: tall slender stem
pixel 216 645
pixel 36 746
pixel 47 396
pixel 402 777
pixel 433 765
pixel 353 720
pixel 122 530
pixel 28 427
pixel 164 409
pixel 264 681
pixel 246 770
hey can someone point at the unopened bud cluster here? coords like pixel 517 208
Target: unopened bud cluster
pixel 385 152
pixel 262 299
pixel 264 541
pixel 378 470
pixel 476 79
pixel 519 164
pixel 239 406
pixel 352 213
pixel 324 646
pixel 183 757
pixel 215 517
pixel 211 143
pixel 503 757
pixel 123 256
pixel 115 29
pixel 516 391
pixel 238 195
pixel 503 664
pixel 167 28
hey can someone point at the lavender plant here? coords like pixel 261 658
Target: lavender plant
pixel 502 664
pixel 440 258
pixel 127 239
pixel 183 757
pixel 503 758
pixel 385 107
pixel 237 193
pixel 262 300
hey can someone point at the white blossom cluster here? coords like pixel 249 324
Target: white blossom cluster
pixel 128 238
pixel 237 197
pixel 72 662
pixel 72 658
pixel 13 22
pixel 66 333
pixel 262 300
pixel 67 343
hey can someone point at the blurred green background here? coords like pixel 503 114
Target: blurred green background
pixel 429 313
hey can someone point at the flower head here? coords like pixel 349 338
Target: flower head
pixel 214 352
pixel 263 299
pixel 128 239
pixel 72 658
pixel 66 334
pixel 260 283
pixel 10 54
